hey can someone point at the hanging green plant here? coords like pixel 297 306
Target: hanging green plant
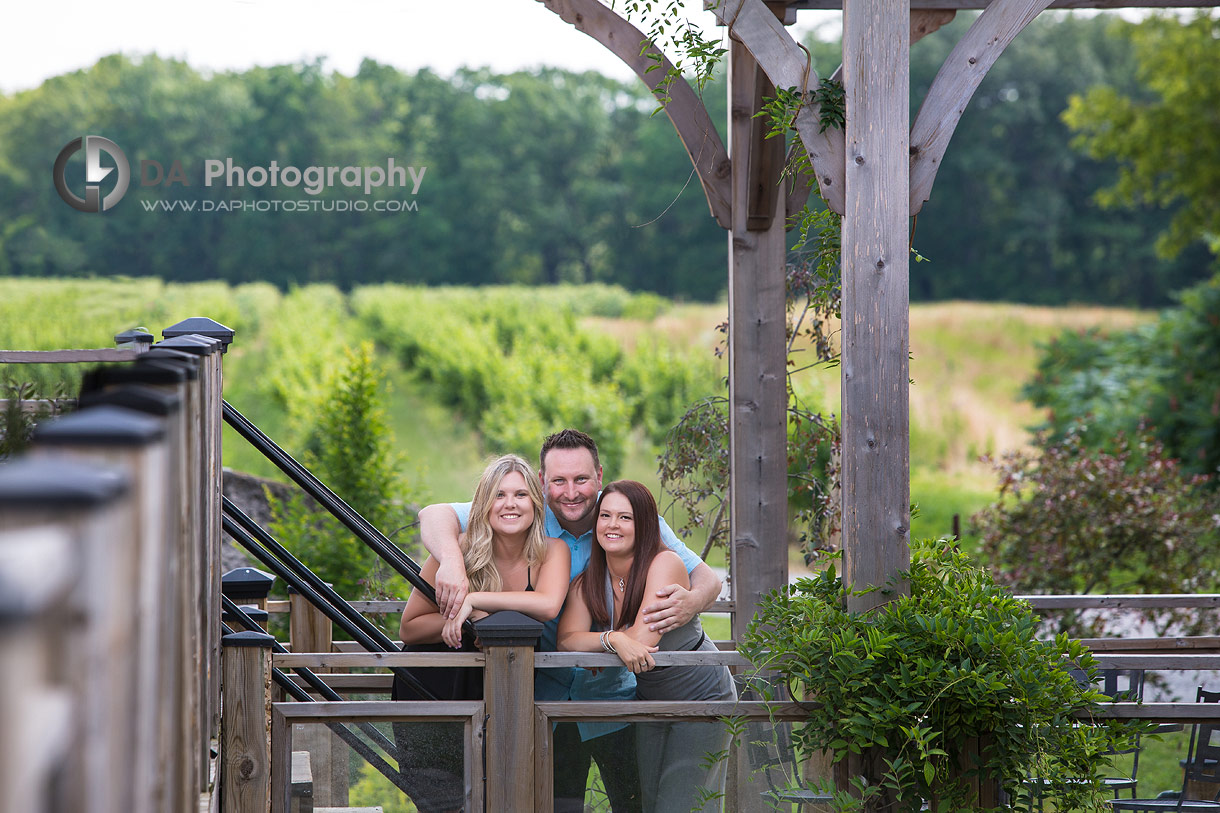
pixel 945 689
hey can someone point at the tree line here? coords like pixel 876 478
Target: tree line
pixel 547 176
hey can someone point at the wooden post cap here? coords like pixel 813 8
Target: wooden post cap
pixel 101 426
pixel 154 371
pixel 255 614
pixel 193 343
pixel 34 484
pixel 202 326
pixel 508 628
pixel 139 397
pixel 137 335
pixel 246 583
pixel 161 353
pixel 248 638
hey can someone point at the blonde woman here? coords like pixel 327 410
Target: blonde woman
pixel 511 565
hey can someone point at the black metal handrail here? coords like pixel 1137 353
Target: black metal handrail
pixel 378 542
pixel 287 567
pixel 308 675
pixel 363 530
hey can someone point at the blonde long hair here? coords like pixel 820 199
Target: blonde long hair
pixel 476 547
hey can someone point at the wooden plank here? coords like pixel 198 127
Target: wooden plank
pixel 1158 712
pixel 352 683
pixel 281 761
pixel 508 692
pixel 190 663
pixel 350 660
pixel 639 711
pixel 1124 602
pixel 754 25
pixel 1157 662
pixel 685 109
pixel 101 354
pixel 955 84
pixel 544 763
pixel 301 783
pixel 309 630
pixel 758 440
pixel 213 379
pixel 382 710
pixel 1150 645
pixel 171 696
pixel 875 471
pixel 594 659
pixel 246 773
pixel 395 607
pixel 354 646
pixel 347 660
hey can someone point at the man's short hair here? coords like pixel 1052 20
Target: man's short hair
pixel 568 439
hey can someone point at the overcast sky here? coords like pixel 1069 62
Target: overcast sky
pixel 43 39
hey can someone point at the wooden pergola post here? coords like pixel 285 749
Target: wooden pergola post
pixel 758 396
pixel 875 417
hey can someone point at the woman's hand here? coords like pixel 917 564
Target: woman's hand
pixel 451 634
pixel 635 656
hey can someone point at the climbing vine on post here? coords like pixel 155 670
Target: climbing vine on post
pixel 694 465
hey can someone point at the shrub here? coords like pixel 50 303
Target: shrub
pixel 1166 374
pixel 1074 520
pixel 914 682
pixel 349 449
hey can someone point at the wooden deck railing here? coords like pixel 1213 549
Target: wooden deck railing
pixel 111 691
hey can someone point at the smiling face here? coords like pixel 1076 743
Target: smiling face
pixel 616 524
pixel 511 509
pixel 571 481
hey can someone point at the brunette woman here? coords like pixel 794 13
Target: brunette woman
pixel 603 614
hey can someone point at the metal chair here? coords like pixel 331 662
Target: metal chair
pixel 1202 766
pixel 1119 685
pixel 1124 685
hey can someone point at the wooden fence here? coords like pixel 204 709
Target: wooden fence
pixel 110 583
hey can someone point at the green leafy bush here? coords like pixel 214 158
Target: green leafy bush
pixel 916 681
pixel 1166 374
pixel 1074 520
pixel 519 364
pixel 349 449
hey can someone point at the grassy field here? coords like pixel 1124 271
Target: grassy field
pixel 969 361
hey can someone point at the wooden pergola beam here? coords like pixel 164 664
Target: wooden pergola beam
pixel 684 108
pixel 755 25
pixel 959 77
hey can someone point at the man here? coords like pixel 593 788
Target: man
pixel 571 480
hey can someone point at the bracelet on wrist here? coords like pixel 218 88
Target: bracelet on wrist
pixel 606 645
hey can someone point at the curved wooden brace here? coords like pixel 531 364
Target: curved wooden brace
pixel 787 66
pixel 685 109
pixel 956 83
pixel 923 23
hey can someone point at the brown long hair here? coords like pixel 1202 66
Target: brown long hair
pixel 647 545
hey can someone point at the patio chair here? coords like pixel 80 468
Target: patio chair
pixel 1120 685
pixel 1124 685
pixel 1202 766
